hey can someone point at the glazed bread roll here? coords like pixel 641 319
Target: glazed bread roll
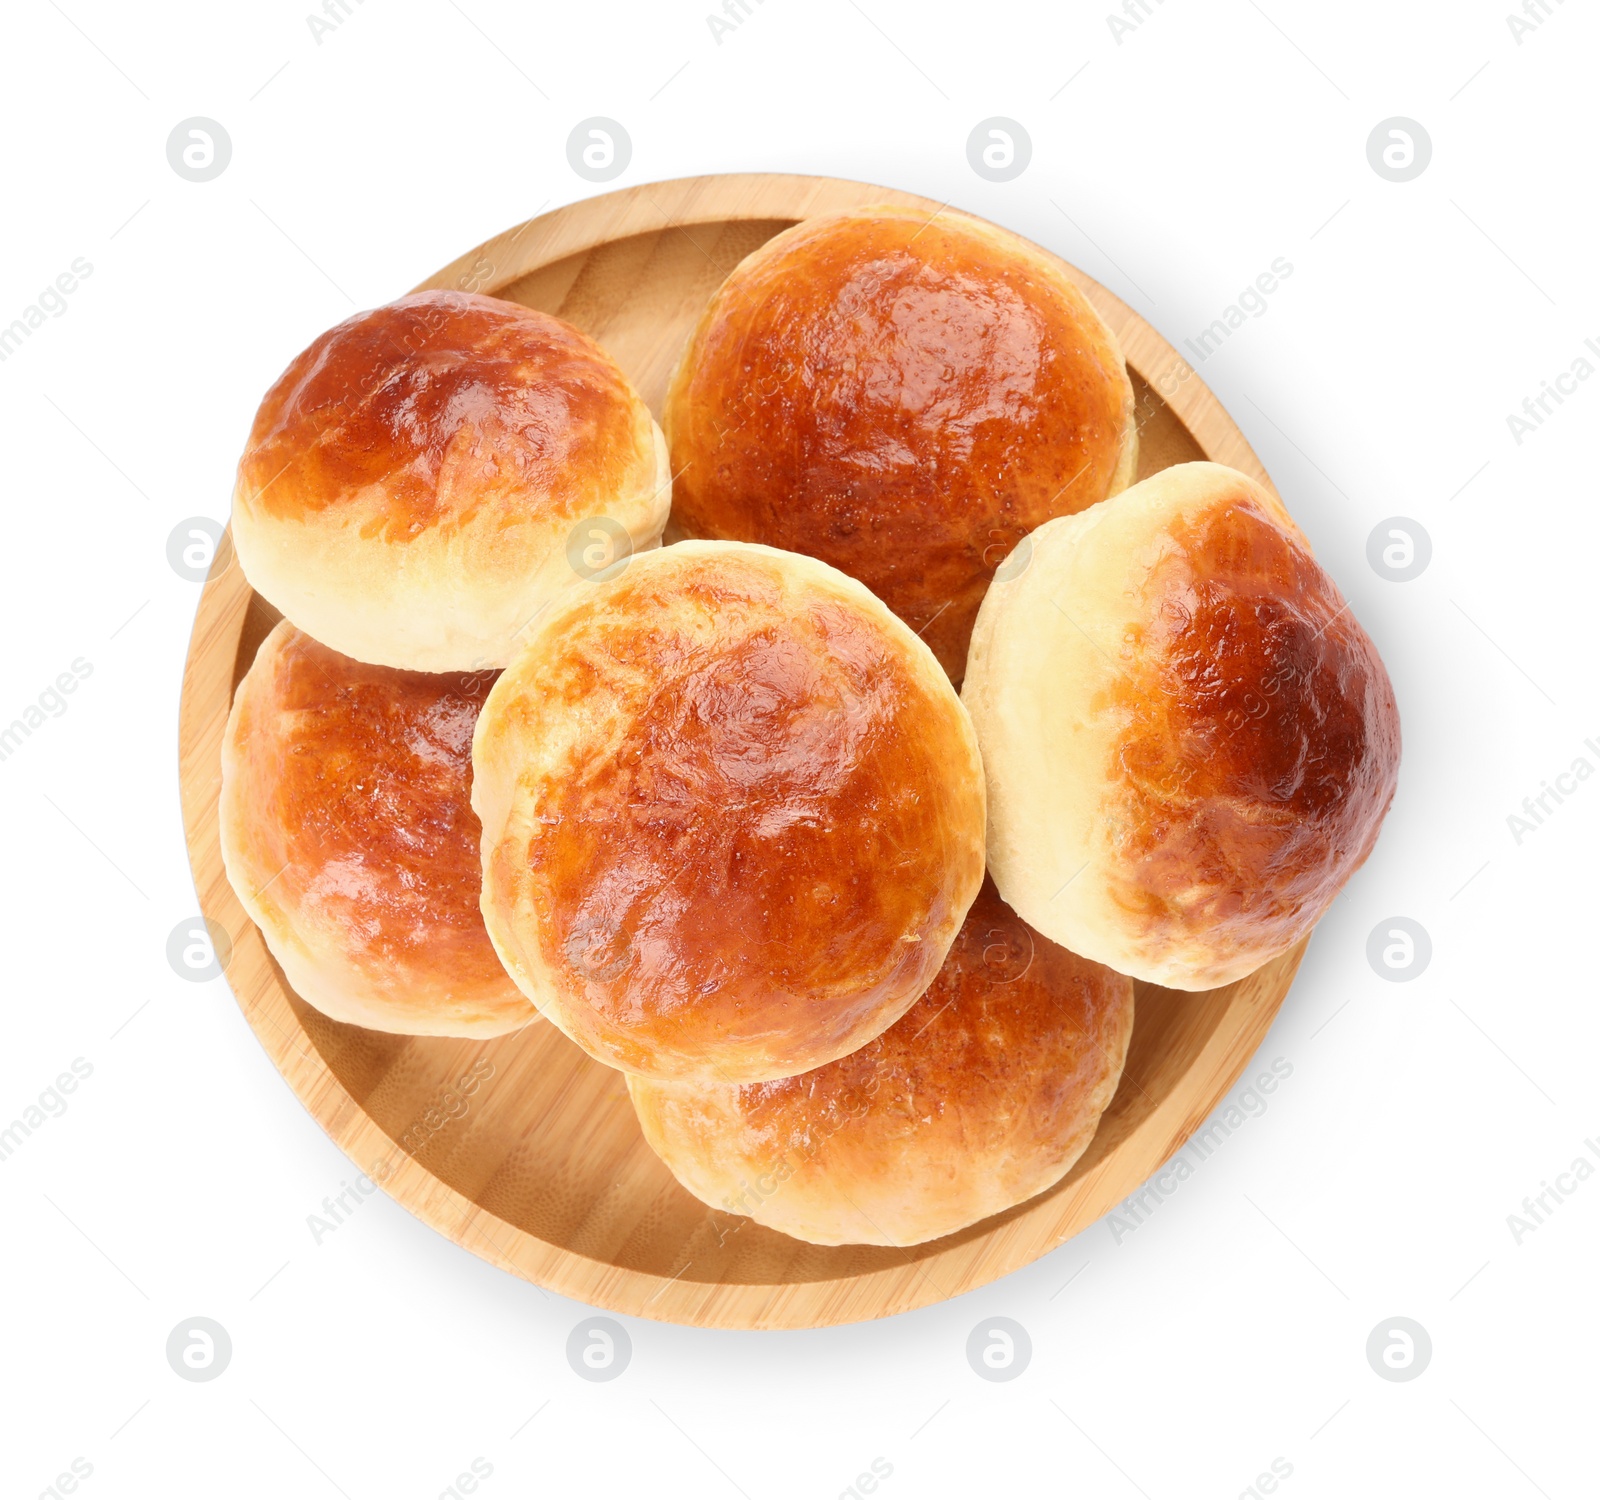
pixel 1190 742
pixel 904 397
pixel 348 833
pixel 983 1094
pixel 732 815
pixel 425 477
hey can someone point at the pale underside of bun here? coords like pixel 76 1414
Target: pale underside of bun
pixel 1189 741
pixel 424 522
pixel 447 601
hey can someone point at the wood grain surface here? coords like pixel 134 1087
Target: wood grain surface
pixel 523 1150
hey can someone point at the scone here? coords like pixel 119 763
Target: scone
pixel 732 815
pixel 427 476
pixel 982 1095
pixel 1190 742
pixel 904 397
pixel 348 833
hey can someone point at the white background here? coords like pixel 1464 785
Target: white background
pixel 1174 165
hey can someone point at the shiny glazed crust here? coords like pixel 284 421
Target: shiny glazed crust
pixel 414 481
pixel 903 397
pixel 983 1094
pixel 1190 742
pixel 732 814
pixel 348 834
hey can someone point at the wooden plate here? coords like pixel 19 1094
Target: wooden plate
pixel 523 1150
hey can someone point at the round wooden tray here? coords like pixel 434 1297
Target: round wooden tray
pixel 525 1151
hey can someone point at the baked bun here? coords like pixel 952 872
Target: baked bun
pixel 983 1094
pixel 732 815
pixel 1190 742
pixel 348 834
pixel 425 477
pixel 904 397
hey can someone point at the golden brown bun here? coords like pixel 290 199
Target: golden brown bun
pixel 903 397
pixel 1190 742
pixel 983 1094
pixel 348 833
pixel 418 482
pixel 732 814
